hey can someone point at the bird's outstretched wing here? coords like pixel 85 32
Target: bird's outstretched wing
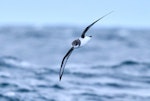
pixel 87 28
pixel 63 63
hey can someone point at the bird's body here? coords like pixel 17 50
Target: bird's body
pixel 81 41
pixel 84 39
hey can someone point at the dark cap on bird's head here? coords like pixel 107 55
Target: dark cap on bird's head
pixel 76 43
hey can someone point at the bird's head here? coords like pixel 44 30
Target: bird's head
pixel 76 43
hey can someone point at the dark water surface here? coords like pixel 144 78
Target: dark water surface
pixel 113 66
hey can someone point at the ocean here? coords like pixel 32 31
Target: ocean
pixel 113 66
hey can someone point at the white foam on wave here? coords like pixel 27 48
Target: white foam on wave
pixel 10 94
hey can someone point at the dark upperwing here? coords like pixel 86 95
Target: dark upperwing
pixel 63 63
pixel 87 28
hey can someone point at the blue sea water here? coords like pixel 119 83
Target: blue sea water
pixel 113 66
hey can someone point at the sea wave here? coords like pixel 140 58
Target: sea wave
pixel 114 66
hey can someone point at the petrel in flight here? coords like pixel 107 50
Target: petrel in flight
pixel 76 44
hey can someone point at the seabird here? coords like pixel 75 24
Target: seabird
pixel 76 44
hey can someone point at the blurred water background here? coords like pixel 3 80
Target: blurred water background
pixel 113 66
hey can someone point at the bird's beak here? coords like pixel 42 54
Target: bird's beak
pixel 90 36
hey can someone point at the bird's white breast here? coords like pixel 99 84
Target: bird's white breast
pixel 84 40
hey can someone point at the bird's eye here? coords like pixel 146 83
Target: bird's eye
pixel 76 43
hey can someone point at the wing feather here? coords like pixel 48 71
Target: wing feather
pixel 64 61
pixel 88 27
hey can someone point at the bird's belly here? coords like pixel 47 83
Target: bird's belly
pixel 84 41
